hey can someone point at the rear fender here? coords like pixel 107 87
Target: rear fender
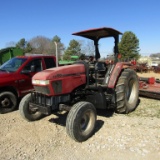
pixel 115 74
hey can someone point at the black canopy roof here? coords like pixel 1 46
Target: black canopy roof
pixel 98 33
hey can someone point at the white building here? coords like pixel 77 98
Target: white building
pixel 151 61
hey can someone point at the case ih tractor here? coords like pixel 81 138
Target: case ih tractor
pixel 82 88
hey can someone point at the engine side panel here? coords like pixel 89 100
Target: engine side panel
pixel 67 83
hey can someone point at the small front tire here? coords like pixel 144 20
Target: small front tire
pixel 81 121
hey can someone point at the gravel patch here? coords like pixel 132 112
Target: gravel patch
pixel 117 137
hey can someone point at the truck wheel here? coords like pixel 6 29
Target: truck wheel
pixel 81 121
pixel 26 112
pixel 8 102
pixel 127 91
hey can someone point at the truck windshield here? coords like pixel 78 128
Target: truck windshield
pixel 12 65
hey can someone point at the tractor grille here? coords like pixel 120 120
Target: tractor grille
pixel 41 102
pixel 42 89
pixel 57 85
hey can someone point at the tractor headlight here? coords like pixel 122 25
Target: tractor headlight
pixel 41 82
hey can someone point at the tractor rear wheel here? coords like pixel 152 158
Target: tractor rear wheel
pixel 26 112
pixel 127 91
pixel 81 121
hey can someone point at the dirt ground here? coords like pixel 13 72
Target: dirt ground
pixel 135 136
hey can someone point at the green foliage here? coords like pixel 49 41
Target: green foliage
pixel 21 44
pixel 129 46
pixel 24 45
pixel 56 39
pixel 60 45
pixel 82 57
pixel 28 48
pixel 73 49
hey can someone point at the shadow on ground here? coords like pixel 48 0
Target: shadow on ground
pixel 61 117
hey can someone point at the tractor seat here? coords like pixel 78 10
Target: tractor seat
pixel 101 68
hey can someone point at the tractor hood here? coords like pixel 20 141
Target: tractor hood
pixel 59 72
pixel 60 80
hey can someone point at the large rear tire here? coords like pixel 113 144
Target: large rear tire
pixel 26 112
pixel 81 121
pixel 8 102
pixel 127 91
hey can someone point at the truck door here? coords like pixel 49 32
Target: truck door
pixel 25 82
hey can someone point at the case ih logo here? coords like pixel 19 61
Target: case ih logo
pixel 67 75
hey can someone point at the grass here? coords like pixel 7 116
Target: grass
pixel 147 108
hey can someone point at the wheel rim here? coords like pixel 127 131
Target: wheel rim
pixel 6 102
pixel 131 91
pixel 87 122
pixel 32 110
pixel 84 122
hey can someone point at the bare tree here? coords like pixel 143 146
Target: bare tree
pixel 155 55
pixel 87 47
pixel 40 45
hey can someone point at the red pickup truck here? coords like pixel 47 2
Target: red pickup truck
pixel 15 78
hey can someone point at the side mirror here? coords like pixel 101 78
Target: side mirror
pixel 32 69
pixel 25 72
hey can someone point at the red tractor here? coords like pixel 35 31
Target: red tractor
pixel 82 88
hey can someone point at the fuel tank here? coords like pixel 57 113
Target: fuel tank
pixel 60 80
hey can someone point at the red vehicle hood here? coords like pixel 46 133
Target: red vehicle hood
pixel 5 74
pixel 60 72
pixel 6 78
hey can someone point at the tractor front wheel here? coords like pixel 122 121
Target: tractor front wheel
pixel 127 91
pixel 81 121
pixel 26 112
